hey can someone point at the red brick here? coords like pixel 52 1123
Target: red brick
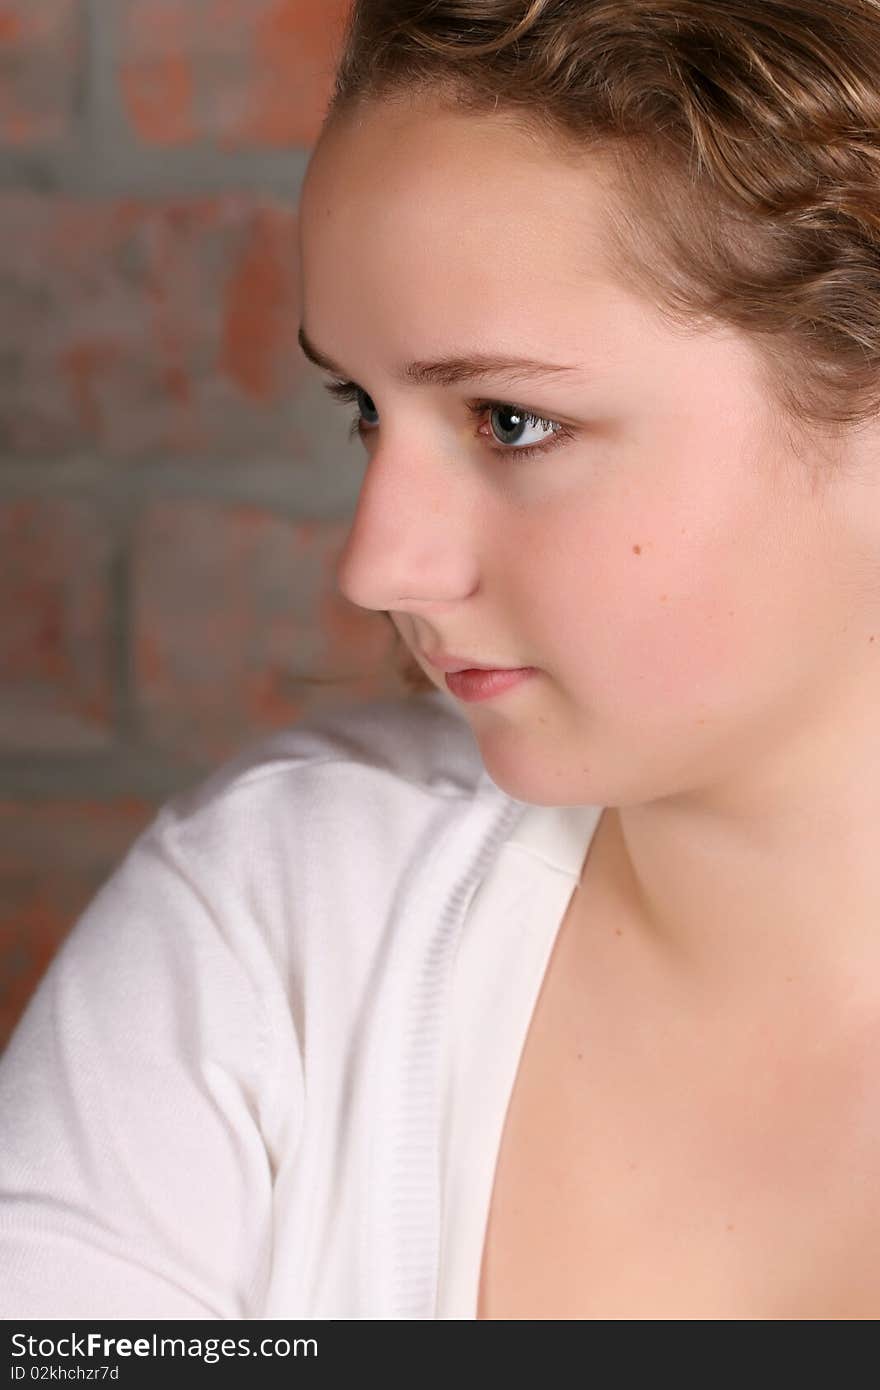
pixel 53 859
pixel 40 54
pixel 55 644
pixel 138 327
pixel 156 69
pixel 235 73
pixel 232 603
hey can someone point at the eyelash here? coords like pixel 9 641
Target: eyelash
pixel 349 391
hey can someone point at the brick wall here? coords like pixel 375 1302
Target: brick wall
pixel 174 485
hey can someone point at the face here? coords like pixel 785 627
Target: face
pixel 657 555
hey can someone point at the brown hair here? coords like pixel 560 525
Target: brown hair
pixel 744 136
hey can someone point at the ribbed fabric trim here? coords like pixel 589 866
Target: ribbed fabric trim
pixel 411 1189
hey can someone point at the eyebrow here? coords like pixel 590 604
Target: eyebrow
pixel 449 371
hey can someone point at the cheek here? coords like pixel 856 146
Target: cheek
pixel 658 613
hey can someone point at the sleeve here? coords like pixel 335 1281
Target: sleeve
pixel 135 1095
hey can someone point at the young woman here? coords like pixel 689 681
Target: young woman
pixel 553 994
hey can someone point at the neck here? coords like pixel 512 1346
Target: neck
pixel 771 880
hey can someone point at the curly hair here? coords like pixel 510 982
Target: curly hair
pixel 743 137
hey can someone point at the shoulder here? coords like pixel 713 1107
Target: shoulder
pixel 359 761
pixel 420 739
pixel 317 822
pixel 281 862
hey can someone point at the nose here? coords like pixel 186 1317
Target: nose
pixel 410 546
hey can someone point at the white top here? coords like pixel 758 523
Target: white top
pixel 502 957
pixel 265 1076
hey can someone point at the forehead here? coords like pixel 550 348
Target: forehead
pixel 424 232
pixel 424 192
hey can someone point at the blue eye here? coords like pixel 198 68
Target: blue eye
pixel 517 416
pixel 519 419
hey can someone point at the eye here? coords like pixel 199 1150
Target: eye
pixel 512 420
pixel 505 419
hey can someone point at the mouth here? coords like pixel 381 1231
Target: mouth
pixel 477 683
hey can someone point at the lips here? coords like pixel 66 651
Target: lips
pixel 476 685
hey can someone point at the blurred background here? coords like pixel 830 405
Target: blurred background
pixel 175 485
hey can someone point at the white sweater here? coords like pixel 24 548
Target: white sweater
pixel 266 1074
